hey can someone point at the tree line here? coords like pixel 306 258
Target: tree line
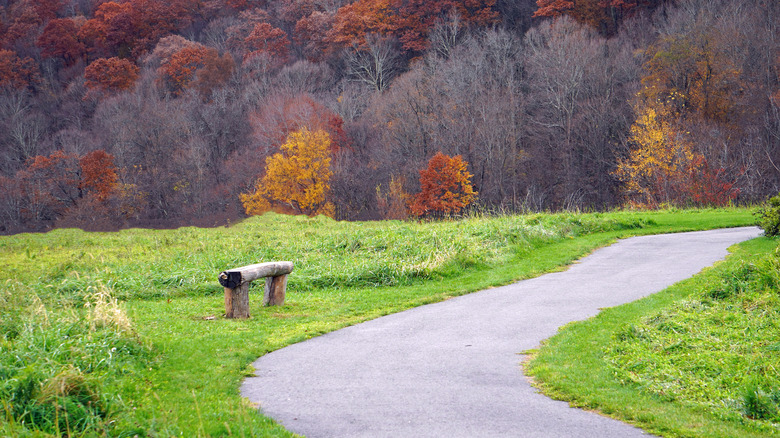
pixel 164 113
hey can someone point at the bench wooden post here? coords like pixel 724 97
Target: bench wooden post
pixel 236 283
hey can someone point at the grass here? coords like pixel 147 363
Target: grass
pixel 177 367
pixel 699 359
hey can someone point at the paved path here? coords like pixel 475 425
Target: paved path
pixel 452 369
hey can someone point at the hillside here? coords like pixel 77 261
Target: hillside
pixel 116 114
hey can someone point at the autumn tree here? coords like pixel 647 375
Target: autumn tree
pixel 112 74
pixel 664 168
pixel 416 18
pixel 17 72
pixel 603 15
pixel 98 175
pixel 216 71
pixel 268 40
pixel 131 29
pixel 182 68
pixel 60 40
pixel 297 179
pixel 698 70
pixel 410 21
pixel 445 187
pixel 310 34
pixel 24 20
pixel 356 20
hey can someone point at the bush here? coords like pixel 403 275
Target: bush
pixel 769 217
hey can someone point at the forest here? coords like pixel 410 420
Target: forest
pixel 163 113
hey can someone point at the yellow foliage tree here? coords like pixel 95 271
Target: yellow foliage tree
pixel 656 170
pixel 298 178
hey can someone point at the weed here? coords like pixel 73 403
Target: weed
pixel 760 404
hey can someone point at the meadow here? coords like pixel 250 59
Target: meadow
pixel 123 334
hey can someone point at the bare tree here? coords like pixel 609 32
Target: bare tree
pixel 375 65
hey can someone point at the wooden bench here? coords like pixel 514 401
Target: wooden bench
pixel 236 283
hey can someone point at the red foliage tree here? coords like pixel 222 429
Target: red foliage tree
pixel 708 186
pixel 196 65
pixel 158 18
pixel 445 187
pixel 17 72
pixel 98 175
pixel 112 74
pixel 24 21
pixel 409 20
pixel 60 40
pixel 311 34
pixel 47 9
pixel 110 31
pixel 354 21
pixel 268 40
pixel 603 15
pixel 416 18
pixel 132 28
pixel 293 11
pixel 215 72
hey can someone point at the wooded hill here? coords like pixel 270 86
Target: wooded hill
pixel 163 113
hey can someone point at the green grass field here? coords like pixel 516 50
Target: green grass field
pixel 122 334
pixel 700 359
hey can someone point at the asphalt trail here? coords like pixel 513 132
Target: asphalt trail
pixel 452 369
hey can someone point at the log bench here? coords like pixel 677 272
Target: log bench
pixel 236 283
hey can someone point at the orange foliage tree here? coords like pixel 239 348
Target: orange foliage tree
pixel 445 187
pixel 98 175
pixel 408 20
pixel 268 40
pixel 112 74
pixel 24 19
pixel 311 33
pixel 17 72
pixel 356 20
pixel 663 167
pixel 180 69
pixel 296 179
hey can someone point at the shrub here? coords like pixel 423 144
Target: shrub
pixel 769 217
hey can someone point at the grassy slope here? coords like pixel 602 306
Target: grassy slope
pixel 574 365
pixel 168 281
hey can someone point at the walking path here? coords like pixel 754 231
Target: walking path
pixel 452 369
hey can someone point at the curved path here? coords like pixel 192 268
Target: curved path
pixel 452 369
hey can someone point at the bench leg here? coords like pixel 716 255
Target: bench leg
pixel 237 301
pixel 275 288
